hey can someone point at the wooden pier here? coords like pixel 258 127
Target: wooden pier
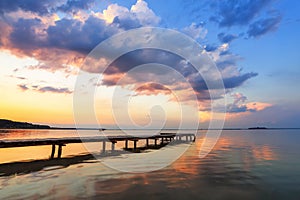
pixel 157 140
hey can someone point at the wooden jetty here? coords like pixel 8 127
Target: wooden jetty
pixel 163 138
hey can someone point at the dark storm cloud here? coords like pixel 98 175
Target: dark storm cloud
pixel 226 38
pixel 236 81
pixel 264 26
pixel 44 7
pixel 24 35
pixel 74 35
pixel 126 23
pixel 40 7
pixel 139 57
pixel 75 5
pixel 69 34
pixel 237 12
pixel 210 48
pixel 135 58
pixel 199 83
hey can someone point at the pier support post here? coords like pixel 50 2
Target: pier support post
pixel 53 151
pixel 113 145
pixel 60 150
pixel 155 142
pixel 134 144
pixel 126 144
pixel 103 146
pixel 147 142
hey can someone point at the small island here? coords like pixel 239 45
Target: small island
pixel 255 128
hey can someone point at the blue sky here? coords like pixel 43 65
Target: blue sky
pixel 254 43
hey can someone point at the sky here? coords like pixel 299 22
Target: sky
pixel 254 45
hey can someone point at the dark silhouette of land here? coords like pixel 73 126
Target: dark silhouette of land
pixel 9 124
pixel 258 127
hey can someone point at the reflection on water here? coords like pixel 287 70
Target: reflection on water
pixel 243 165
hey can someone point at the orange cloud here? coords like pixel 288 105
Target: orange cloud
pixel 152 89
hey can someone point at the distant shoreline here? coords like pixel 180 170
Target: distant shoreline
pixel 9 124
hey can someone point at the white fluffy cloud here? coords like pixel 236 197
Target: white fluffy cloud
pixel 144 14
pixel 138 12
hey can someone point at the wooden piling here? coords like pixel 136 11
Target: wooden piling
pixel 52 151
pixel 103 146
pixel 59 150
pixel 113 145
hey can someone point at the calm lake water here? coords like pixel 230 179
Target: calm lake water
pixel 244 164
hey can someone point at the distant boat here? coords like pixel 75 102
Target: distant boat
pixel 254 128
pixel 102 129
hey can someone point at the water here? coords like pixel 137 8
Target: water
pixel 244 164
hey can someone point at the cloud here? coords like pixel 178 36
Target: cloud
pixel 126 23
pixel 199 83
pixel 44 89
pixel 17 77
pixel 73 35
pixel 139 14
pixel 263 26
pixel 58 43
pixel 232 77
pixel 40 7
pixel 75 5
pixel 23 87
pixel 239 98
pixel 4 33
pixel 210 47
pixel 66 34
pixel 79 35
pixel 238 12
pixel 124 65
pixel 195 31
pixel 257 106
pixel 54 90
pixel 236 81
pixel 25 35
pixel 226 38
pixel 144 14
pixel 152 89
pixel 239 105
